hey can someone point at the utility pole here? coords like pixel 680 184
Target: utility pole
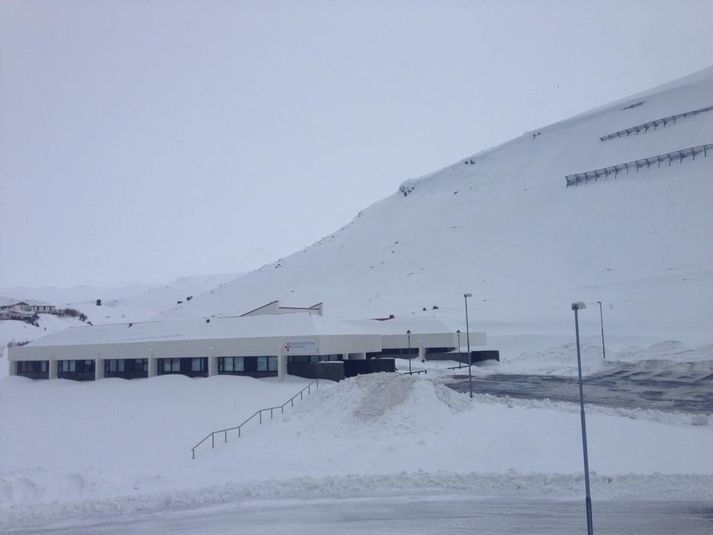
pixel 408 334
pixel 467 337
pixel 601 323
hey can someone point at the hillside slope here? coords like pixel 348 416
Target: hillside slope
pixel 508 230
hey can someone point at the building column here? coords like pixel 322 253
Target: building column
pixel 11 367
pixel 212 366
pixel 422 353
pixel 98 369
pixel 153 366
pixel 53 367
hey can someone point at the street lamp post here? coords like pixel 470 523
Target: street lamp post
pixel 460 361
pixel 588 500
pixel 601 323
pixel 408 334
pixel 467 337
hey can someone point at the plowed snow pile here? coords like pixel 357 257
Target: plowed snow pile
pixel 383 403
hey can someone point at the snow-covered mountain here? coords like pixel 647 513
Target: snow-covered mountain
pixel 502 224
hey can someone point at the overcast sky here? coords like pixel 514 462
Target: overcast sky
pixel 144 140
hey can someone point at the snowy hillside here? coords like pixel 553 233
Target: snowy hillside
pixel 130 302
pixel 507 229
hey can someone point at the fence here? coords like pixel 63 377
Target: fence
pixel 257 414
pixel 662 122
pixel 605 172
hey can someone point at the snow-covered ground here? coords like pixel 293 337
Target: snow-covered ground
pixel 125 445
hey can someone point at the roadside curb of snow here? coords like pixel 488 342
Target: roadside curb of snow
pixel 419 483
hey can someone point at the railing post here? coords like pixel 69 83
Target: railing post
pixel 260 413
pixel 270 413
pixel 193 453
pixel 226 436
pixel 212 440
pixel 239 430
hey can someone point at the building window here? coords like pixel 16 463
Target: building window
pixel 198 364
pixel 262 364
pixel 231 364
pixel 265 364
pixel 170 365
pixel 68 366
pixel 115 365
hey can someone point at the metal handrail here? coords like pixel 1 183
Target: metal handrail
pixel 257 414
pixel 416 372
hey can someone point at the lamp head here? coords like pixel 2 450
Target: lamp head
pixel 579 305
pixel 408 332
pixel 467 295
pixel 458 331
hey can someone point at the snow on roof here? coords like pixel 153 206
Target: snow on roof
pixel 401 324
pixel 205 328
pixel 8 301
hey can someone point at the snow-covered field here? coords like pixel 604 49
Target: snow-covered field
pixel 100 448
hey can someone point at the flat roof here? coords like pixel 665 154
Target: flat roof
pixel 204 329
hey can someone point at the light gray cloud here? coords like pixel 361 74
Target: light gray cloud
pixel 146 140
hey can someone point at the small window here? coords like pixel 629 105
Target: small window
pixel 262 364
pixel 272 364
pixel 239 364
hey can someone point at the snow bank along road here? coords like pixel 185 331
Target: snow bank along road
pixel 411 514
pixel 683 388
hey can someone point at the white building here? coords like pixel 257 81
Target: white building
pixel 255 345
pixel 18 307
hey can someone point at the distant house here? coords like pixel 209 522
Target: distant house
pixel 19 307
pixel 20 310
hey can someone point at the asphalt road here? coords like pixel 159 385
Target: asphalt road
pixel 414 515
pixel 621 387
